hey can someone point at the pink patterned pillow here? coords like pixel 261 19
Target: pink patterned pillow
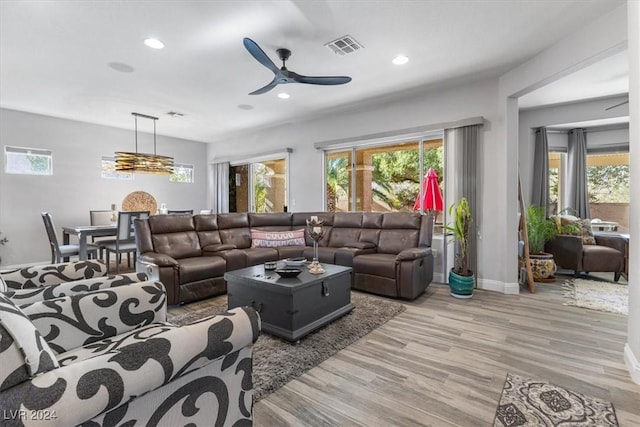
pixel 276 239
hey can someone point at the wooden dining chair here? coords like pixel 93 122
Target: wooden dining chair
pixel 58 251
pixel 125 242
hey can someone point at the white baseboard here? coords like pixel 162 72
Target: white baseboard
pixel 497 286
pixel 633 365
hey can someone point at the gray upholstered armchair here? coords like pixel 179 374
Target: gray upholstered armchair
pixel 607 255
pixel 108 357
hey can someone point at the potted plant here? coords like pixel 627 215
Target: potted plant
pixel 461 278
pixel 540 230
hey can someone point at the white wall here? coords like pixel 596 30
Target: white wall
pixel 632 348
pixel 531 119
pixel 445 105
pixel 76 186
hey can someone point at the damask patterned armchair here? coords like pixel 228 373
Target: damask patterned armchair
pixel 108 357
pixel 43 282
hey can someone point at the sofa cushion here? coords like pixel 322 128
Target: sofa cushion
pixel 17 331
pixel 201 268
pixel 184 244
pixel 257 256
pixel 275 239
pixel 376 265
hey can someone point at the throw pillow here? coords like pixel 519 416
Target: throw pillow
pixel 38 356
pixel 587 232
pixel 3 286
pixel 276 239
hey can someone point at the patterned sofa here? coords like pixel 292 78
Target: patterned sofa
pixel 390 253
pixel 108 357
pixel 43 282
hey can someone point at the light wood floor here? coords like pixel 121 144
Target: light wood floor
pixel 443 363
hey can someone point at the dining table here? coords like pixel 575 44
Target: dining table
pixel 84 231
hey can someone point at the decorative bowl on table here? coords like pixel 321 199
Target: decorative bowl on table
pixel 300 261
pixel 288 273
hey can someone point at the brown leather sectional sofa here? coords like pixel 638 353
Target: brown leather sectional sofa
pixel 390 253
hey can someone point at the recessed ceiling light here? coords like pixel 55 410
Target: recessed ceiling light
pixel 400 60
pixel 284 95
pixel 154 43
pixel 175 114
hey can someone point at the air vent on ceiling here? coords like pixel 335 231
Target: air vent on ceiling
pixel 344 45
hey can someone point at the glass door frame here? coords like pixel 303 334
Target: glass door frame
pixel 250 162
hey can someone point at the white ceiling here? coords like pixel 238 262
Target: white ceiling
pixel 55 55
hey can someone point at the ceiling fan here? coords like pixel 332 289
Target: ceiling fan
pixel 283 75
pixel 617 105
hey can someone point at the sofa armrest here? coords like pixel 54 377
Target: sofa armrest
pixel 27 296
pixel 53 274
pixel 73 321
pixel 81 391
pixel 360 245
pixel 413 253
pixel 566 251
pixel 161 260
pixel 612 241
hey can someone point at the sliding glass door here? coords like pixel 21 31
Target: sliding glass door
pixel 259 186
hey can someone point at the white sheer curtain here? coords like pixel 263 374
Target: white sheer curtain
pixel 220 187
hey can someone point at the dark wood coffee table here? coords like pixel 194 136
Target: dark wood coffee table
pixel 292 308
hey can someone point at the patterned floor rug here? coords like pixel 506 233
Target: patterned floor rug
pixel 595 295
pixel 526 402
pixel 276 362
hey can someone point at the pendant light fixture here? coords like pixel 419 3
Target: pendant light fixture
pixel 141 162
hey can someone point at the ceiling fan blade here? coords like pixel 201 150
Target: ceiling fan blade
pixel 259 55
pixel 266 88
pixel 328 80
pixel 617 105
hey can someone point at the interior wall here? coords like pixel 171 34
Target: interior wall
pixel 632 348
pixel 444 105
pixel 76 185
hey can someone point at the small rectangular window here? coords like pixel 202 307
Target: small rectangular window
pixel 28 161
pixel 109 170
pixel 182 173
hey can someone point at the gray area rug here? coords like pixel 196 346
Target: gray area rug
pixel 526 402
pixel 276 362
pixel 596 295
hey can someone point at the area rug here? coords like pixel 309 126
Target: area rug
pixel 526 402
pixel 276 362
pixel 595 295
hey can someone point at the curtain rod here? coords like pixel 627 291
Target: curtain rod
pixel 414 132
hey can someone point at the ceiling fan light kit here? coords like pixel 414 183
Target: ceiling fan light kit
pixel 141 162
pixel 283 75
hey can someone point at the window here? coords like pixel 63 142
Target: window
pixel 108 170
pixel 607 183
pixel 555 177
pixel 182 173
pixel 387 177
pixel 28 161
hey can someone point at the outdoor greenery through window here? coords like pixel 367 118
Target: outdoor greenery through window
pixel 608 177
pixel 28 161
pixel 607 183
pixel 387 178
pixel 182 173
pixel 108 170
